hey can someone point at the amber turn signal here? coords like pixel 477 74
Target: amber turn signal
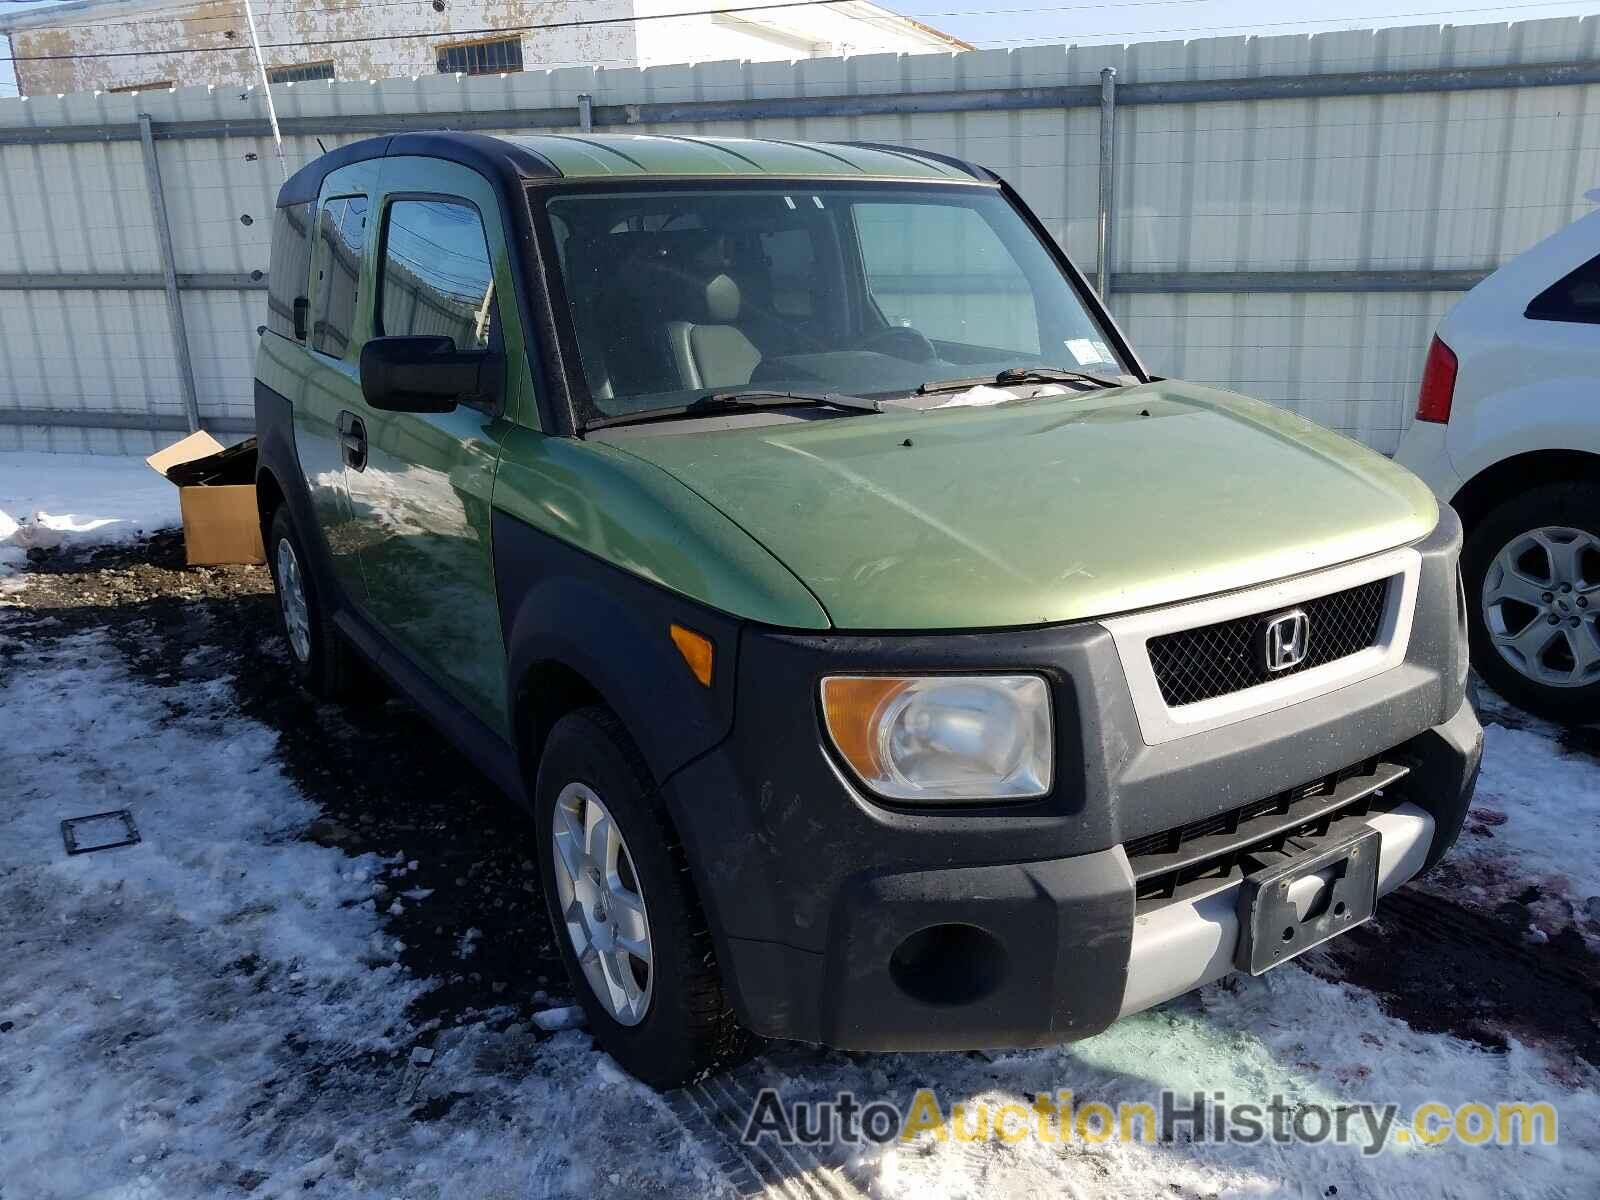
pixel 851 704
pixel 697 650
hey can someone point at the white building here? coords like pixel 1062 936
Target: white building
pixel 125 45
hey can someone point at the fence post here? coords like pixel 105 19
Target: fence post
pixel 169 272
pixel 1108 166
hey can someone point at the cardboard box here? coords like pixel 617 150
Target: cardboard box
pixel 220 522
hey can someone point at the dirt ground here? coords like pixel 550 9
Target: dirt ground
pixel 387 782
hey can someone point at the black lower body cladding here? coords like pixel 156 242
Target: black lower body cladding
pixel 863 925
pixel 562 607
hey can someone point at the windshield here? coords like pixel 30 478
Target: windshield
pixel 675 292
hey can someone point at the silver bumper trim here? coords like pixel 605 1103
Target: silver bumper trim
pixel 1181 946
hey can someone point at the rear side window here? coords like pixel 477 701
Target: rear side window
pixel 290 270
pixel 341 241
pixel 792 259
pixel 1574 298
pixel 437 278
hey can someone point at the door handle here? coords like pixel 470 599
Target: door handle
pixel 353 440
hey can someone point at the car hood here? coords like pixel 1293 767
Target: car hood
pixel 1046 510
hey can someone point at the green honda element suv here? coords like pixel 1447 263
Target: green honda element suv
pixel 888 659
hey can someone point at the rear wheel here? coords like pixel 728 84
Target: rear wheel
pixel 1532 572
pixel 323 661
pixel 631 929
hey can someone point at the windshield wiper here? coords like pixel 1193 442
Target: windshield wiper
pixel 713 403
pixel 1013 375
pixel 756 398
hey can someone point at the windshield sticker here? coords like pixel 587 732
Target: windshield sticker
pixel 1089 352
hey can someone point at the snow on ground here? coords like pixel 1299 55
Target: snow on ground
pixel 1535 819
pixel 217 1010
pixel 1286 1034
pixel 49 500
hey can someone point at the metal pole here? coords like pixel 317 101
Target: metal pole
pixel 169 272
pixel 788 108
pixel 266 89
pixel 1108 167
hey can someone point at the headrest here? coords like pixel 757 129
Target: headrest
pixel 721 300
pixel 678 291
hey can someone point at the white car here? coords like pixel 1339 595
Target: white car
pixel 1508 431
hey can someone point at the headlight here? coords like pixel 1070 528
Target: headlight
pixel 943 737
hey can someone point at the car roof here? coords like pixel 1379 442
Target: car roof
pixel 648 154
pixel 1506 293
pixel 551 158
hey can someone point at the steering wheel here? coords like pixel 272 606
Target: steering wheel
pixel 901 342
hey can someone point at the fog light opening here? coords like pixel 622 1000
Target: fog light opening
pixel 948 964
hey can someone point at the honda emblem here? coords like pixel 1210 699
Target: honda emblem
pixel 1283 641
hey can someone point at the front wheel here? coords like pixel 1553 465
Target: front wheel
pixel 1532 573
pixel 631 929
pixel 322 660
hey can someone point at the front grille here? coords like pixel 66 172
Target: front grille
pixel 1214 660
pixel 1210 853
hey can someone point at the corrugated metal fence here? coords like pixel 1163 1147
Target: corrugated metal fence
pixel 1288 216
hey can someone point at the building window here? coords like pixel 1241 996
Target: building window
pixel 341 240
pixel 481 58
pixel 437 277
pixel 159 85
pixel 301 72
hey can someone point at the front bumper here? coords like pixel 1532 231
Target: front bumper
pixel 1180 946
pixel 1177 947
pixel 865 926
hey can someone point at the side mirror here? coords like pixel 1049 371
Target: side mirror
pixel 423 374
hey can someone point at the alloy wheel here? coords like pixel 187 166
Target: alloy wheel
pixel 292 599
pixel 1541 598
pixel 602 903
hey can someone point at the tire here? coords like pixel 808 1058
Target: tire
pixel 683 1027
pixel 323 662
pixel 1550 535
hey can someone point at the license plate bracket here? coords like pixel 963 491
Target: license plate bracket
pixel 1270 926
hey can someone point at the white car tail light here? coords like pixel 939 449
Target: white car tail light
pixel 1438 384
